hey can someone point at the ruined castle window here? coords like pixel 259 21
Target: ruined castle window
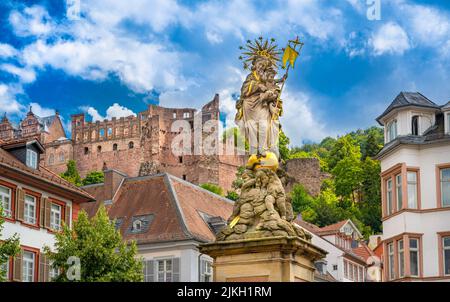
pixel 130 145
pixel 109 131
pixel 186 115
pixel 93 134
pixel 180 159
pixel 86 150
pixel 78 123
pixel 184 177
pixel 115 147
pixel 51 159
pixel 125 131
pixel 61 157
pixel 102 133
pixel 174 114
pixel 99 149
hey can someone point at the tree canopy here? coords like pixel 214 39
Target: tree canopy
pixel 102 254
pixel 354 188
pixel 94 177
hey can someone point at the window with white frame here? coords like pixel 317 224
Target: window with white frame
pixel 55 216
pixel 414 256
pixel 186 115
pixel 5 201
pixel 412 190
pixel 448 123
pixel 32 159
pixel 390 248
pixel 401 259
pixel 445 187
pixel 399 191
pixel 446 251
pixel 165 271
pixel 345 269
pixel 389 199
pixel 28 266
pixel 391 131
pixel 206 274
pixel 30 209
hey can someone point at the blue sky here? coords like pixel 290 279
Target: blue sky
pixel 116 57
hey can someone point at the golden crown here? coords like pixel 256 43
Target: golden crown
pixel 260 48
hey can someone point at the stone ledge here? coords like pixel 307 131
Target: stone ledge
pixel 247 246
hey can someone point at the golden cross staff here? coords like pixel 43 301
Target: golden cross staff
pixel 290 54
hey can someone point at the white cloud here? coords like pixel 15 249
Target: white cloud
pixel 32 21
pixel 41 111
pixel 389 38
pixel 8 102
pixel 213 37
pixel 7 51
pixel 25 75
pixel 115 110
pixel 299 122
pixel 428 25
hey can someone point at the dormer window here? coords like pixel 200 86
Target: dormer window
pixel 391 131
pixel 137 225
pixel 32 160
pixel 415 125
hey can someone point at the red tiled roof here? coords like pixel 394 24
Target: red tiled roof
pixel 363 251
pixel 42 174
pixel 174 204
pixel 332 228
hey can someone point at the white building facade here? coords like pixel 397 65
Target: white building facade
pixel 415 186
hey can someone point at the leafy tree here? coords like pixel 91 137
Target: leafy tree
pixel 94 177
pixel 370 208
pixel 71 174
pixel 212 188
pixel 8 247
pixel 283 146
pixel 99 246
pixel 301 200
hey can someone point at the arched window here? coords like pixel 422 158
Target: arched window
pixel 61 157
pixel 115 147
pixel 102 133
pixel 130 145
pixel 51 159
pixel 99 149
pixel 391 130
pixel 415 125
pixel 86 150
pixel 94 134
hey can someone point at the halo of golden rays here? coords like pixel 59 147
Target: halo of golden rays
pixel 260 48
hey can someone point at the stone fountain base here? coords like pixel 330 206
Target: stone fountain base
pixel 270 259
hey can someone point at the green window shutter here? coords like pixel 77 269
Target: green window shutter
pixel 176 269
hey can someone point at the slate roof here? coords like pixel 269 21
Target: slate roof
pixel 176 206
pixel 405 99
pixel 446 106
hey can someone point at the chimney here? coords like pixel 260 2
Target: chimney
pixel 113 179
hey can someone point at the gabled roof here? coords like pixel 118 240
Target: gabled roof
pixel 176 206
pixel 337 227
pixel 446 106
pixel 363 251
pixel 405 99
pixel 22 142
pixel 15 167
pixel 314 229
